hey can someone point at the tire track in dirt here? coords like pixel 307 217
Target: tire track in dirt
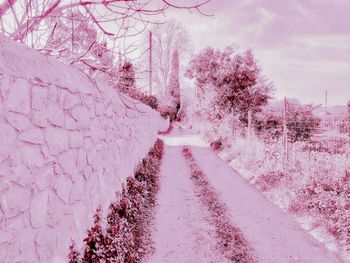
pixel 182 233
pixel 229 238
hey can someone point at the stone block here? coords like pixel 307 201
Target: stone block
pixel 32 155
pixel 77 193
pixel 38 208
pixel 63 186
pixel 39 118
pixel 7 138
pixel 68 161
pixel 76 139
pixel 45 243
pixel 91 155
pixel 53 94
pixel 39 97
pixel 70 123
pixel 43 177
pixel 15 201
pixel 57 140
pixel 18 121
pixel 34 136
pixel 55 115
pixel 82 115
pixel 87 143
pixel 54 211
pixel 69 100
pixel 100 108
pixel 82 159
pixel 19 96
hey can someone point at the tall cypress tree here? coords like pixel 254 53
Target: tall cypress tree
pixel 174 85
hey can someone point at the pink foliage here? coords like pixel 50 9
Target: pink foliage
pixel 171 103
pixel 269 180
pixel 328 200
pixel 231 241
pixel 216 145
pixel 168 131
pixel 127 85
pixel 233 80
pixel 73 255
pixel 174 78
pixel 126 236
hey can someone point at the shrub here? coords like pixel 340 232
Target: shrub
pixel 127 85
pixel 149 100
pixel 328 200
pixel 216 145
pixel 269 180
pixel 73 255
pixel 336 145
pixel 125 237
pixel 168 112
pixel 168 131
pixel 126 80
pixel 231 241
pixel 301 122
pixel 269 126
pixel 231 80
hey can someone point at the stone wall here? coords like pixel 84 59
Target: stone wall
pixel 66 145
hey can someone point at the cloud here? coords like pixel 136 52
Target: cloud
pixel 303 46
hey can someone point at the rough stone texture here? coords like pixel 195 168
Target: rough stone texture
pixel 65 150
pixel 7 139
pixel 18 121
pixel 76 139
pixel 38 208
pixel 34 136
pixel 55 115
pixel 32 156
pixel 70 123
pixel 39 118
pixel 19 98
pixel 39 97
pixel 57 140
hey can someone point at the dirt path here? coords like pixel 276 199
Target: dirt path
pixel 182 233
pixel 274 235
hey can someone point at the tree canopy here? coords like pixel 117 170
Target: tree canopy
pixel 231 78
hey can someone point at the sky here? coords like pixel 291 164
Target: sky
pixel 302 46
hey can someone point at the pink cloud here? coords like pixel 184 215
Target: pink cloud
pixel 302 45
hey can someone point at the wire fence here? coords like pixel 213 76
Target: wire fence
pixel 320 132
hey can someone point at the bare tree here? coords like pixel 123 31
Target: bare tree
pixel 174 84
pixel 24 20
pixel 168 38
pixel 80 46
pixel 84 32
pixel 6 5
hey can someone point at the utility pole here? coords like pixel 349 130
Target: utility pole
pixel 150 62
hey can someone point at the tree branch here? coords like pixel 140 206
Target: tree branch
pixel 6 5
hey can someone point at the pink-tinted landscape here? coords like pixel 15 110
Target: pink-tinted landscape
pixel 174 131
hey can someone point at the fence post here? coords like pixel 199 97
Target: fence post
pixel 348 126
pixel 285 131
pixel 250 126
pixel 233 124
